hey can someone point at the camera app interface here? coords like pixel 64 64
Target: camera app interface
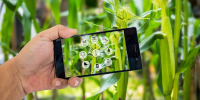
pixel 94 54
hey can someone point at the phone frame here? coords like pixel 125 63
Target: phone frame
pixel 58 57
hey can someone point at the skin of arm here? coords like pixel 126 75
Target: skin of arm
pixel 33 68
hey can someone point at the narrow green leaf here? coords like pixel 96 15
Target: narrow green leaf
pixel 146 43
pixel 189 60
pixel 6 31
pixel 109 10
pixel 145 26
pixel 159 81
pixel 111 17
pixel 73 14
pixel 95 97
pixel 14 6
pixel 115 97
pixel 26 23
pixel 36 25
pixel 97 25
pixel 31 6
pixel 55 8
pixel 106 81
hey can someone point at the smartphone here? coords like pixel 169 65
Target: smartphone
pixel 97 53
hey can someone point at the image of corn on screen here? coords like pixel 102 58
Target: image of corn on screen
pixel 100 53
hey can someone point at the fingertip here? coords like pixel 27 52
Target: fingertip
pixel 75 81
pixel 59 83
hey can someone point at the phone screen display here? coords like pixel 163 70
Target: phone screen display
pixel 99 53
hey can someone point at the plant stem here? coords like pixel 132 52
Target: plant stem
pixel 176 44
pixel 30 96
pixel 167 97
pixel 187 73
pixel 167 52
pixel 177 30
pixel 6 56
pixel 176 87
pixel 83 89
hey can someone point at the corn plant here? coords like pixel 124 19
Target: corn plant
pixel 163 39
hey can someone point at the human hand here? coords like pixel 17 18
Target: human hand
pixel 35 62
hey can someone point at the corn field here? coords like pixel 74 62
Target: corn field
pixel 168 33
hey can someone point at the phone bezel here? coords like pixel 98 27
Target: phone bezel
pixel 58 57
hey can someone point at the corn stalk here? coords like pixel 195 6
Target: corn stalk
pixel 167 52
pixel 187 73
pixel 176 45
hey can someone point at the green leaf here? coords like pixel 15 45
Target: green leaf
pixel 14 5
pixel 189 60
pixel 6 31
pixel 159 81
pixel 73 14
pixel 31 6
pixel 95 97
pixel 115 97
pixel 145 26
pixel 106 81
pixel 146 43
pixel 55 8
pixel 36 25
pixel 97 25
pixel 111 17
pixel 26 23
pixel 108 10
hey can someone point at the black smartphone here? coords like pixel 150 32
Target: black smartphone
pixel 97 53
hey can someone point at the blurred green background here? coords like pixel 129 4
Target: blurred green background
pixel 168 32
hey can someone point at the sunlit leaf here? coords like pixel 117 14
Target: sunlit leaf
pixel 26 23
pixel 111 17
pixel 96 25
pixel 31 6
pixel 146 43
pixel 189 60
pixel 55 8
pixel 106 81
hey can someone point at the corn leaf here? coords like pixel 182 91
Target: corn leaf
pixel 73 14
pixel 111 17
pixel 144 27
pixel 31 6
pixel 55 8
pixel 14 5
pixel 146 43
pixel 106 81
pixel 97 25
pixel 189 60
pixel 26 23
pixel 167 52
pixel 6 31
pixel 36 25
pixel 159 81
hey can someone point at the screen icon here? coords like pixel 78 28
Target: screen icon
pixel 94 39
pixel 108 62
pixel 82 54
pixel 104 40
pixel 97 66
pixel 95 53
pixel 108 51
pixel 85 64
pixel 84 42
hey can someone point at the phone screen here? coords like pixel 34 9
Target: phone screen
pixel 99 53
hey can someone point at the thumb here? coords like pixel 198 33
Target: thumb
pixel 57 32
